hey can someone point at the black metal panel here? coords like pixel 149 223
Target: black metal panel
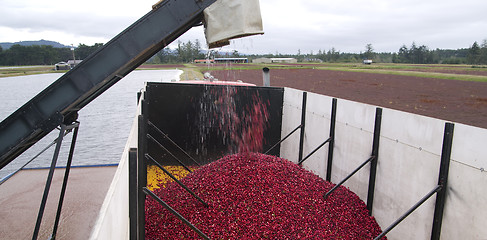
pixel 97 73
pixel 442 180
pixel 190 114
pixel 332 137
pixel 303 126
pixel 373 164
pixel 133 193
pixel 141 174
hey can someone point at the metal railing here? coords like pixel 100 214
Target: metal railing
pixel 330 140
pixel 138 182
pixel 65 128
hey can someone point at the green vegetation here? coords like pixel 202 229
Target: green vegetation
pixel 414 54
pixel 26 70
pixel 440 71
pixel 19 55
pixel 195 71
pixel 191 72
pixel 431 71
pixel 416 60
pixel 184 53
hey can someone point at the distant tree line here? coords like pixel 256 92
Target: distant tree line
pixel 475 55
pixel 184 53
pixel 18 55
pixel 189 51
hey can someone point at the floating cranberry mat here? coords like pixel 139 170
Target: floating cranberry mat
pixel 256 196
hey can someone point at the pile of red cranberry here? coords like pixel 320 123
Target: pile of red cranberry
pixel 256 196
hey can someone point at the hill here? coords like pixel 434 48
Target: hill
pixel 7 45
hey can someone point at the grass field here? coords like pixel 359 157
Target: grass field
pixel 192 71
pixel 440 71
pixel 26 70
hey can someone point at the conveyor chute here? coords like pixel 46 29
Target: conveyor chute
pixel 61 101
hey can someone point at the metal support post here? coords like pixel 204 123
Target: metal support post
pixel 48 182
pixel 32 159
pixel 373 164
pixel 170 153
pixel 50 175
pixel 147 156
pixel 141 176
pixel 282 140
pixel 388 229
pixel 312 152
pixel 133 193
pixel 349 176
pixel 174 212
pixel 303 120
pixel 442 180
pixel 65 180
pixel 440 189
pixel 332 139
pixel 266 77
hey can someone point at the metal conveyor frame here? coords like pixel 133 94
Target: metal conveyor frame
pixel 60 102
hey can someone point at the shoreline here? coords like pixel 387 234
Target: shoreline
pixel 195 71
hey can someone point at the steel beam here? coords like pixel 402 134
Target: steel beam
pixel 331 146
pixel 303 125
pixel 442 180
pixel 373 164
pixel 95 74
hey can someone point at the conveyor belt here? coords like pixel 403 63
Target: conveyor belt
pixel 61 101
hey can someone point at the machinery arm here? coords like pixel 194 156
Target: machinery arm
pixel 61 101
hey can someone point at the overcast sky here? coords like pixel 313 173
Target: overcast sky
pixel 289 25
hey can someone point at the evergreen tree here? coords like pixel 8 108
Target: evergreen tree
pixel 483 52
pixel 189 51
pixel 369 52
pixel 333 55
pixel 473 56
pixel 83 51
pixel 402 55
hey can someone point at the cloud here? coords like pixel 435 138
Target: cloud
pixel 68 22
pixel 87 20
pixel 308 25
pixel 350 25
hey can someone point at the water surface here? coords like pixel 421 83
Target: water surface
pixel 104 123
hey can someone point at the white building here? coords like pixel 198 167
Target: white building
pixel 73 63
pixel 275 60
